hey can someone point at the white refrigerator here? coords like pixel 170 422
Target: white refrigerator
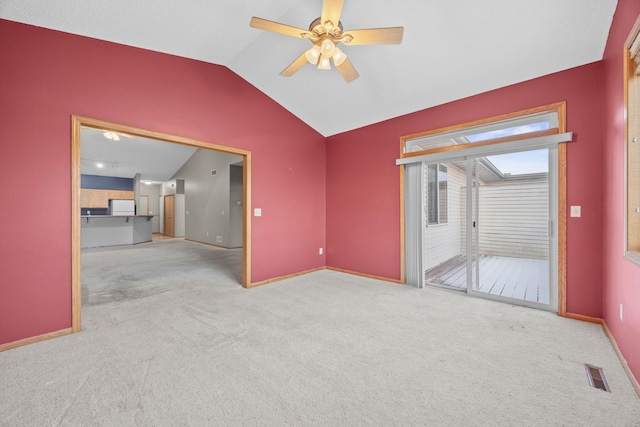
pixel 122 207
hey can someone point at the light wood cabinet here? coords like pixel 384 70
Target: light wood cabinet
pixel 99 199
pixel 121 194
pixel 116 194
pixel 91 198
pixel 85 198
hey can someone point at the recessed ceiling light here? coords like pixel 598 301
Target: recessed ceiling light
pixel 100 165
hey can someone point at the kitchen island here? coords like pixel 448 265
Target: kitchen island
pixel 115 230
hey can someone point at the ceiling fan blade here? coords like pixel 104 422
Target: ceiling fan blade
pixel 276 27
pixel 295 66
pixel 331 10
pixel 391 35
pixel 347 71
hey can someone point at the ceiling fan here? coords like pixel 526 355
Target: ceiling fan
pixel 326 33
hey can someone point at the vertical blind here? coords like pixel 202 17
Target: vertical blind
pixel 413 217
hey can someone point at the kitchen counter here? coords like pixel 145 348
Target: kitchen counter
pixel 115 230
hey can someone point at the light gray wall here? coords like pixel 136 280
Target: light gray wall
pixel 169 187
pixel 176 187
pixel 207 197
pixel 136 189
pixel 153 191
pixel 179 228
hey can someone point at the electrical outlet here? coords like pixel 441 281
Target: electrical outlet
pixel 320 251
pixel 207 234
pixel 621 312
pixel 218 239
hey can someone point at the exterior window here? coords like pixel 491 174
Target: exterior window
pixel 437 195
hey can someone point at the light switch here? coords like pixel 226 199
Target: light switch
pixel 257 212
pixel 576 211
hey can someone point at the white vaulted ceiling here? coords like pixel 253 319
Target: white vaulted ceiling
pixel 154 160
pixel 451 49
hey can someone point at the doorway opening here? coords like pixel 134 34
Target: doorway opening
pixel 484 208
pixel 169 207
pixel 79 214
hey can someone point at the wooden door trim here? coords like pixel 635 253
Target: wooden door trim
pixel 164 215
pixel 76 123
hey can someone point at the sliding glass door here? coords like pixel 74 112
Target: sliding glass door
pixel 490 226
pixel 445 204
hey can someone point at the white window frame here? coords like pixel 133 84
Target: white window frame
pixel 438 198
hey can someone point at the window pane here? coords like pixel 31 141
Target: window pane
pixel 510 127
pixel 522 163
pixel 442 194
pixel 516 130
pixel 432 194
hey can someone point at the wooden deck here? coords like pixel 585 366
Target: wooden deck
pixel 518 278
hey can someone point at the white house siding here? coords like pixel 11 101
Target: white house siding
pixel 513 219
pixel 442 241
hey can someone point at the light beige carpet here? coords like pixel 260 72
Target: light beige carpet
pixel 191 347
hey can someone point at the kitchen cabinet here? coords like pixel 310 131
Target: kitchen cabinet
pixel 99 199
pixel 92 198
pixel 85 198
pixel 120 195
pixel 116 194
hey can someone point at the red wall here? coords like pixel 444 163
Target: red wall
pixel 46 76
pixel 621 278
pixel 363 198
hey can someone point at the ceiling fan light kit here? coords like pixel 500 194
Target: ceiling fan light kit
pixel 111 135
pixel 115 136
pixel 323 63
pixel 325 35
pixel 313 54
pixel 338 57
